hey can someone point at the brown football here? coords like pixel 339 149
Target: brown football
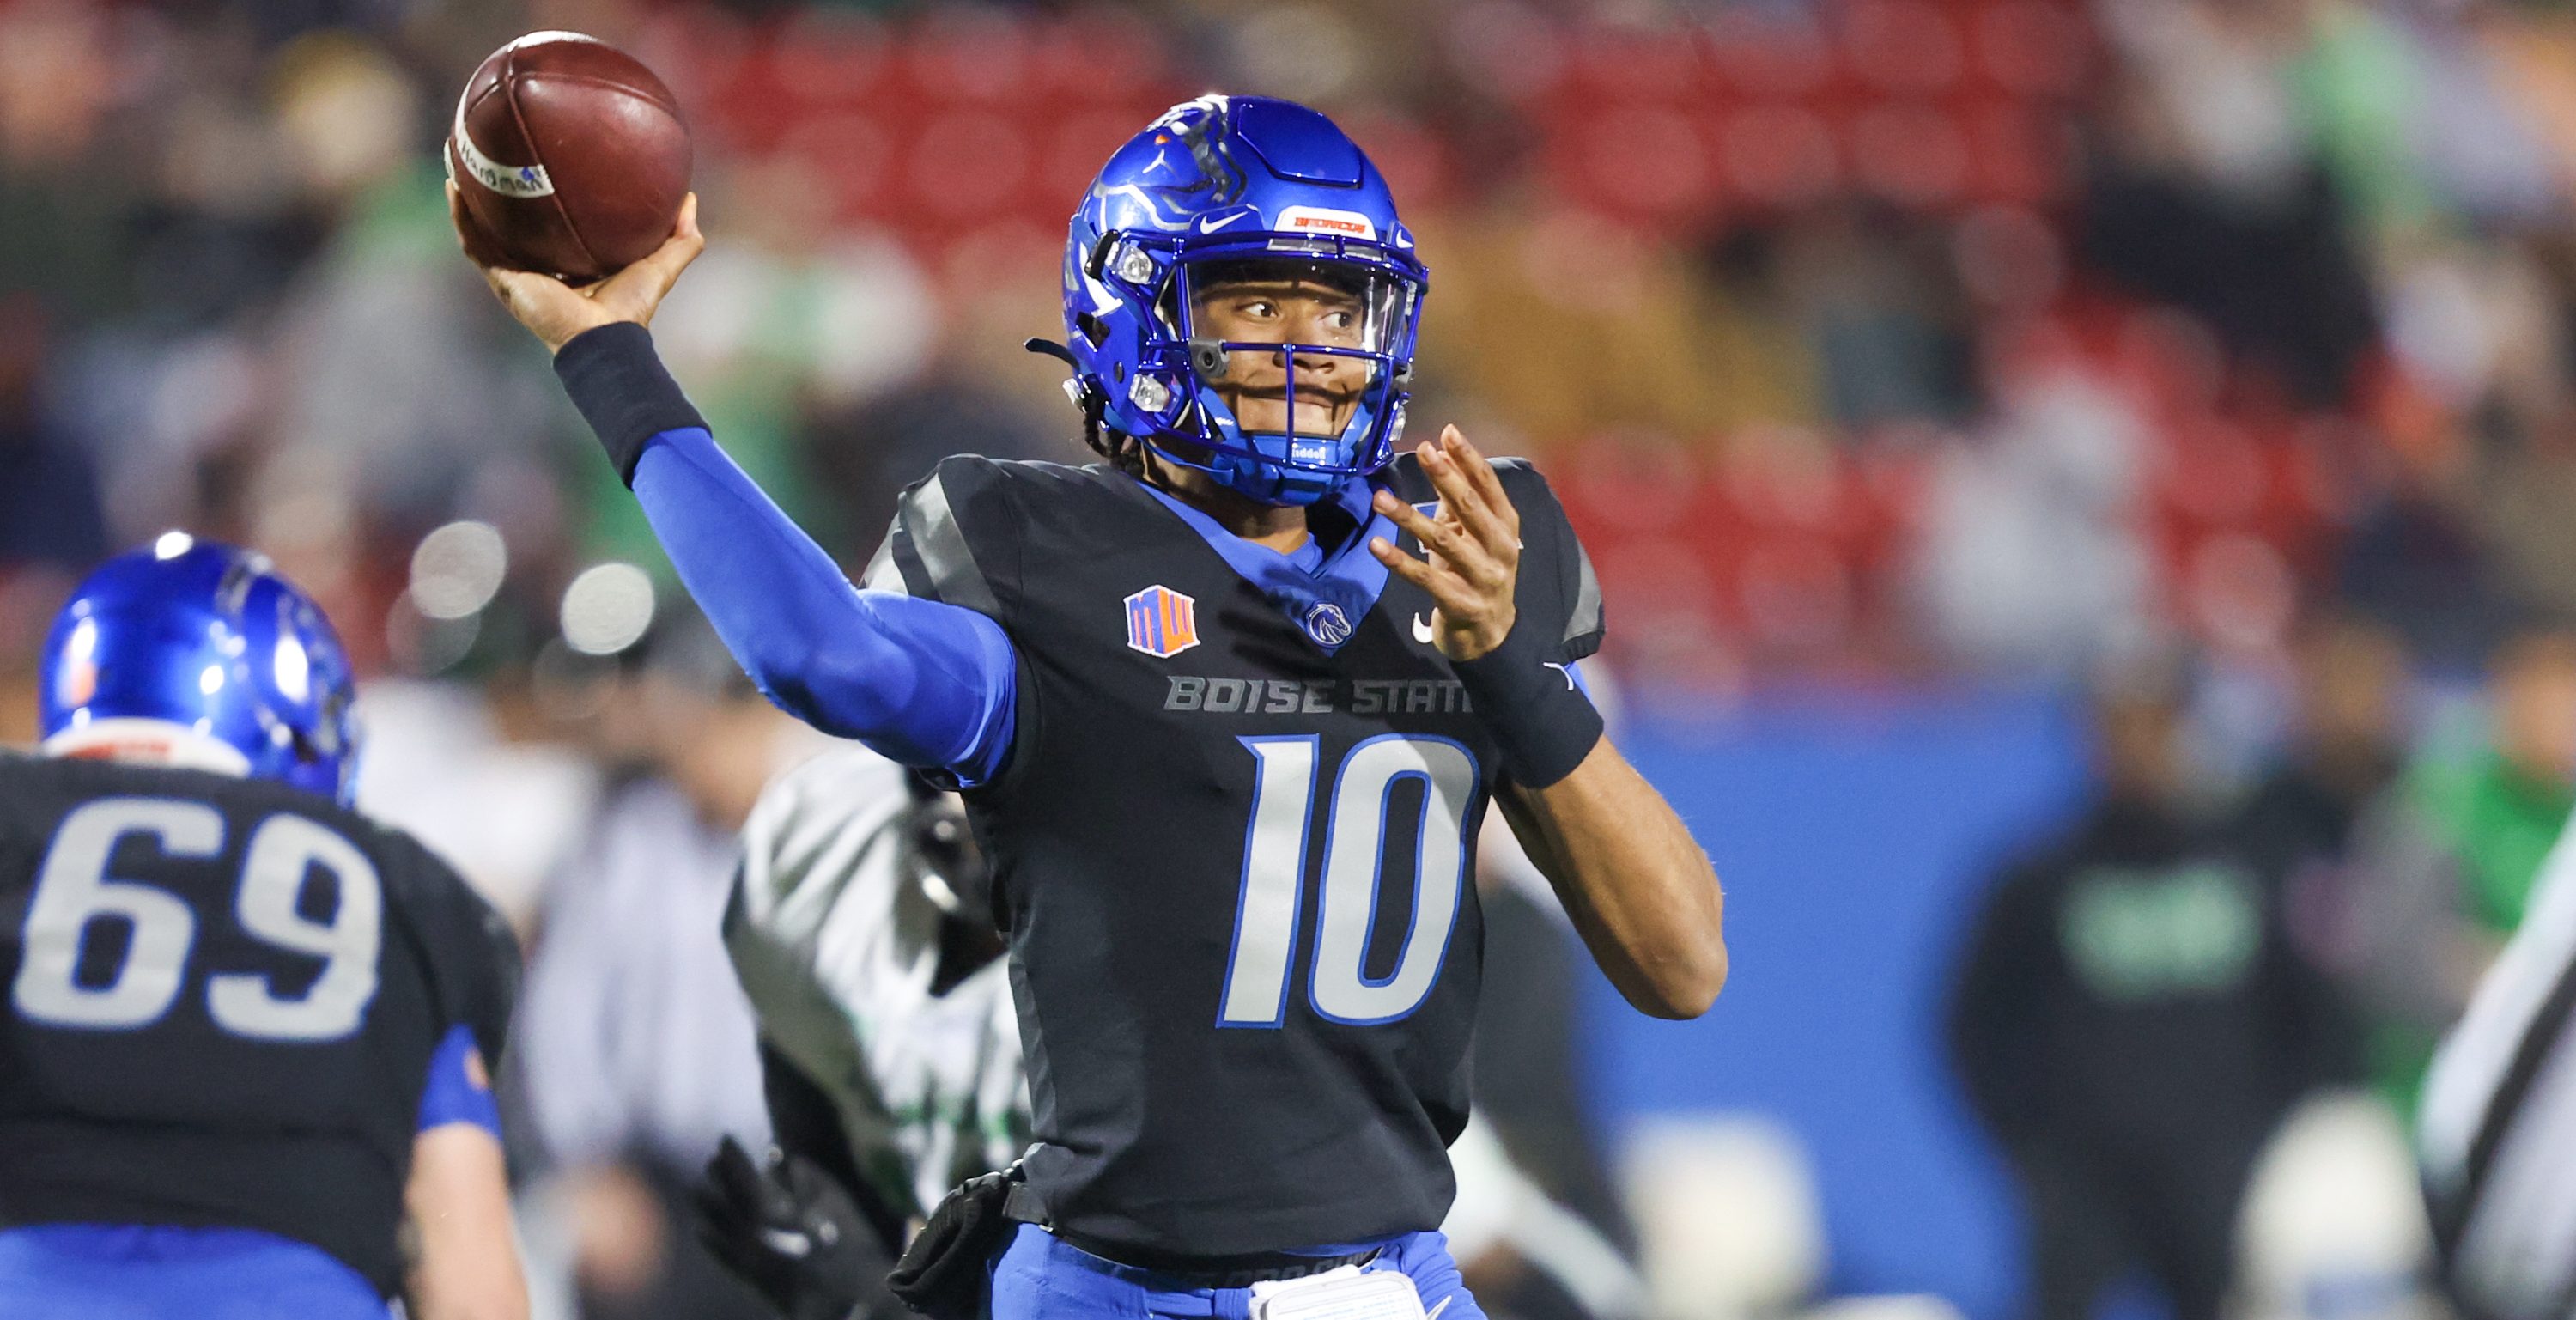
pixel 571 156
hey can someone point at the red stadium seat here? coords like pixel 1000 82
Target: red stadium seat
pixel 1414 160
pixel 1910 153
pixel 2019 153
pixel 829 58
pixel 1769 55
pixel 1636 65
pixel 1634 483
pixel 1104 57
pixel 850 153
pixel 1905 47
pixel 2212 474
pixel 1510 50
pixel 1071 153
pixel 2030 48
pixel 1643 163
pixel 970 54
pixel 1778 155
pixel 967 164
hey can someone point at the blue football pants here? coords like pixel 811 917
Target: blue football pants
pixel 1041 1275
pixel 140 1272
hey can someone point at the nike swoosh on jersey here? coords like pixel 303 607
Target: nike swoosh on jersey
pixel 1421 630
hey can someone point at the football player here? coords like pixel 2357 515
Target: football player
pixel 1227 708
pixel 890 1050
pixel 243 1066
pixel 891 1057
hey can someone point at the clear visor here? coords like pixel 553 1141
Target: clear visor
pixel 1291 346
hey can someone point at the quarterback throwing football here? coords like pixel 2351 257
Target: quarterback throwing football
pixel 1227 709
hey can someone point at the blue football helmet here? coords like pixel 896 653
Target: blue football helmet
pixel 201 655
pixel 1224 188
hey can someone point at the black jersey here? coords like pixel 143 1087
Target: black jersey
pixel 224 998
pixel 1234 845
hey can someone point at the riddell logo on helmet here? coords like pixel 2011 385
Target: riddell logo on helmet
pixel 1328 221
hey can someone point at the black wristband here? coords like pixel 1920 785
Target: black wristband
pixel 1545 724
pixel 618 383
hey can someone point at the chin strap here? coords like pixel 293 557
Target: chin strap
pixel 1050 348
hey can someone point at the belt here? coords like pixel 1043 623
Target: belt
pixel 1189 1272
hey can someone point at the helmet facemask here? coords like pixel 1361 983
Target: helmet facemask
pixel 1281 363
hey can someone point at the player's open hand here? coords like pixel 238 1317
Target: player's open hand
pixel 1471 550
pixel 554 311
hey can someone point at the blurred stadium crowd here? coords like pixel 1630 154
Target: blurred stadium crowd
pixel 1870 342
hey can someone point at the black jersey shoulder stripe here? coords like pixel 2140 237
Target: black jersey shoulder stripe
pixel 946 559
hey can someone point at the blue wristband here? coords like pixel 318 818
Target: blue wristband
pixel 459 1089
pixel 622 390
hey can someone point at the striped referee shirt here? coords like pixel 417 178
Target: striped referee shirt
pixel 2498 1124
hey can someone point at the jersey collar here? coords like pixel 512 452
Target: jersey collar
pixel 1326 601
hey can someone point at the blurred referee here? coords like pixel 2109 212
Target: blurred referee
pixel 2498 1124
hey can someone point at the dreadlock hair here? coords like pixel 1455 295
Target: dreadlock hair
pixel 1124 452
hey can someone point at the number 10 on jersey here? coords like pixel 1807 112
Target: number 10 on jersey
pixel 1275 849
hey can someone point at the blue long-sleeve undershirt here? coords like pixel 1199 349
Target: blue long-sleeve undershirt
pixel 927 684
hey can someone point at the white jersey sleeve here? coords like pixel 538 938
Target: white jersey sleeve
pixel 837 949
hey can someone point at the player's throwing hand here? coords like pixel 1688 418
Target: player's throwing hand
pixel 554 311
pixel 1471 551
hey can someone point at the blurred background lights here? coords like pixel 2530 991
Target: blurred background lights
pixel 457 569
pixel 607 609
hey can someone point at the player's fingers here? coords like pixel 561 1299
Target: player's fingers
pixel 1448 590
pixel 1438 535
pixel 1463 499
pixel 688 226
pixel 1449 544
pixel 733 1173
pixel 1472 460
pixel 1401 564
pixel 470 237
pixel 456 218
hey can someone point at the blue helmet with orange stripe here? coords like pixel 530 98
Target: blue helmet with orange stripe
pixel 1223 190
